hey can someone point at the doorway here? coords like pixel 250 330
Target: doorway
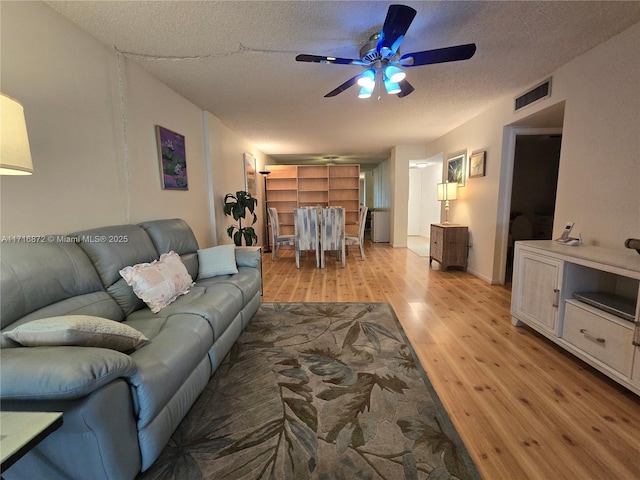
pixel 533 193
pixel 423 208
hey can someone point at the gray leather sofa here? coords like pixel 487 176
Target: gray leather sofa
pixel 119 409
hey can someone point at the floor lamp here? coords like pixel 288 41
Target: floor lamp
pixel 265 174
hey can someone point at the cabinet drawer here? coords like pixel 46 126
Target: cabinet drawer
pixel 600 336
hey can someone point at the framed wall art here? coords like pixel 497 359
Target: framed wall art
pixel 456 169
pixel 250 174
pixel 478 165
pixel 173 159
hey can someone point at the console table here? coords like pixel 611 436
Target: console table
pixel 583 298
pixel 21 431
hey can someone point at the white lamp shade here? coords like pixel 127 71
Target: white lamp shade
pixel 447 191
pixel 15 155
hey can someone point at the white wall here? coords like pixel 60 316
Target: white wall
pixel 226 151
pixel 401 155
pixel 600 154
pixel 424 208
pixel 91 117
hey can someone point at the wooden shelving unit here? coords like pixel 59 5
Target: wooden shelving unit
pixel 282 193
pixel 313 186
pixel 294 186
pixel 344 191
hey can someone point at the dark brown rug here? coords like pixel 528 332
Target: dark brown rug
pixel 317 391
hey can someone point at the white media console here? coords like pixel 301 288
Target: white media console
pixel 583 298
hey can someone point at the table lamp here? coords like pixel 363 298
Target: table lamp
pixel 447 191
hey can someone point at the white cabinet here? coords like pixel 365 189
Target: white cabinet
pixel 583 298
pixel 536 290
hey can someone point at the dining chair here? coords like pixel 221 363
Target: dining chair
pixel 332 235
pixel 277 238
pixel 352 239
pixel 305 221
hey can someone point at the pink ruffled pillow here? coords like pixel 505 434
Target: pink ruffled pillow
pixel 160 282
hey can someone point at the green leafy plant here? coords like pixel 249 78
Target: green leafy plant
pixel 237 206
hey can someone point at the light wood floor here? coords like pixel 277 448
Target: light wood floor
pixel 524 408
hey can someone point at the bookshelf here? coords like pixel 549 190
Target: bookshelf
pixel 293 186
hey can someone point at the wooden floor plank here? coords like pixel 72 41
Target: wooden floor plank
pixel 525 408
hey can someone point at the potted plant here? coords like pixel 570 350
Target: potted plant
pixel 237 205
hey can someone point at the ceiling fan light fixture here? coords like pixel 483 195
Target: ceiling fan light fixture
pixel 394 74
pixel 366 91
pixel 368 78
pixel 391 87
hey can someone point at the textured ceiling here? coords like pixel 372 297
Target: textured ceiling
pixel 236 59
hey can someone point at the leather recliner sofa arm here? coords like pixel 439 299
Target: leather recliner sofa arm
pixel 59 373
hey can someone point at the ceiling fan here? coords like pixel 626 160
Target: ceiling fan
pixel 382 59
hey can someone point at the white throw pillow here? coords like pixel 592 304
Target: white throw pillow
pixel 214 261
pixel 78 330
pixel 160 282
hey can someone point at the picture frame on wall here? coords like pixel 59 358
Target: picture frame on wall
pixel 173 159
pixel 456 169
pixel 478 165
pixel 250 174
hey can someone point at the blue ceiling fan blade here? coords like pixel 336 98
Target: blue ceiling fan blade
pixel 405 88
pixel 439 55
pixel 303 57
pixel 349 83
pixel 399 18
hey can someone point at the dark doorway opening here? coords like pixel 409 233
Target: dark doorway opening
pixel 533 193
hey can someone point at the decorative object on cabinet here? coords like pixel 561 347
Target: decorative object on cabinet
pixel 15 155
pixel 449 244
pixel 447 191
pixel 237 206
pixel 173 159
pixel 478 165
pixel 267 217
pixel 584 299
pixel 456 170
pixel 250 174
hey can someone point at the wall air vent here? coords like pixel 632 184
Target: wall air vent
pixel 535 94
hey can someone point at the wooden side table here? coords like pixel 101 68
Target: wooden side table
pixel 448 245
pixel 21 431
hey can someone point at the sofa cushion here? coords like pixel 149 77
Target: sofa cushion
pixel 214 261
pixel 113 248
pixel 174 235
pixel 247 282
pixel 79 330
pixel 35 275
pixel 160 282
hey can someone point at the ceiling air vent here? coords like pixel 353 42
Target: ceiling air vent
pixel 537 93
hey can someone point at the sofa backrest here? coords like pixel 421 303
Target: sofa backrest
pixel 39 280
pixel 112 248
pixel 80 273
pixel 174 234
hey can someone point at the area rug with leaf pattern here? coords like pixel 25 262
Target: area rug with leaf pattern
pixel 317 391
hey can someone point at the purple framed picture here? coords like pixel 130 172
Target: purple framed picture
pixel 173 159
